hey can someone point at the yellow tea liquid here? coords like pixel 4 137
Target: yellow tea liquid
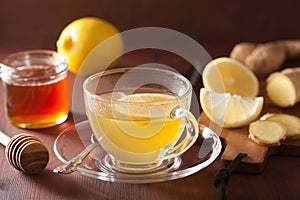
pixel 136 128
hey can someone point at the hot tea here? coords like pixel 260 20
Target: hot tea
pixel 140 129
pixel 140 117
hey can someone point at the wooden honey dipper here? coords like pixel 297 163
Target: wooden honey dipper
pixel 25 152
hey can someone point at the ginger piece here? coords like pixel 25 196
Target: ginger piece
pixel 242 50
pixel 283 88
pixel 266 58
pixel 266 116
pixel 291 122
pixel 267 133
pixel 292 48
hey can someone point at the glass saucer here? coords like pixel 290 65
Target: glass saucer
pixel 76 138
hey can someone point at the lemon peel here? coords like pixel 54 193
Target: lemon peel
pixel 79 38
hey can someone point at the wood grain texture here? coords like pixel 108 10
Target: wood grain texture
pixel 27 154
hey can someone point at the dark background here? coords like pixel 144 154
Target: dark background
pixel 29 24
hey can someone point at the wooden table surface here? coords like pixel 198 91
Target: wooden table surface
pixel 279 180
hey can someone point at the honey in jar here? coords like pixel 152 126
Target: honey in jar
pixel 36 88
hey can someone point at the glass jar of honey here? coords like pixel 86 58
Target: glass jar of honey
pixel 35 88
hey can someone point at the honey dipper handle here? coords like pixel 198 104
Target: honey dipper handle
pixel 4 139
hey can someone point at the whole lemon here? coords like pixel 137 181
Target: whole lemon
pixel 90 45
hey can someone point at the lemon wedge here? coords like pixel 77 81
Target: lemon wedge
pixel 230 111
pixel 226 75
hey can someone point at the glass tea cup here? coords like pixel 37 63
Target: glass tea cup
pixel 36 88
pixel 140 116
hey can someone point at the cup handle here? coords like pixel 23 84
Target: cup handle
pixel 185 141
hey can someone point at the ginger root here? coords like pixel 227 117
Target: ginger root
pixel 291 122
pixel 272 128
pixel 242 50
pixel 266 58
pixel 267 133
pixel 283 88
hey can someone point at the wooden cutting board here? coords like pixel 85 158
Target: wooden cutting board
pixel 236 141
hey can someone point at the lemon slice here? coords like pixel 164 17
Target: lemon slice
pixel 144 114
pixel 228 110
pixel 230 76
pixel 146 105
